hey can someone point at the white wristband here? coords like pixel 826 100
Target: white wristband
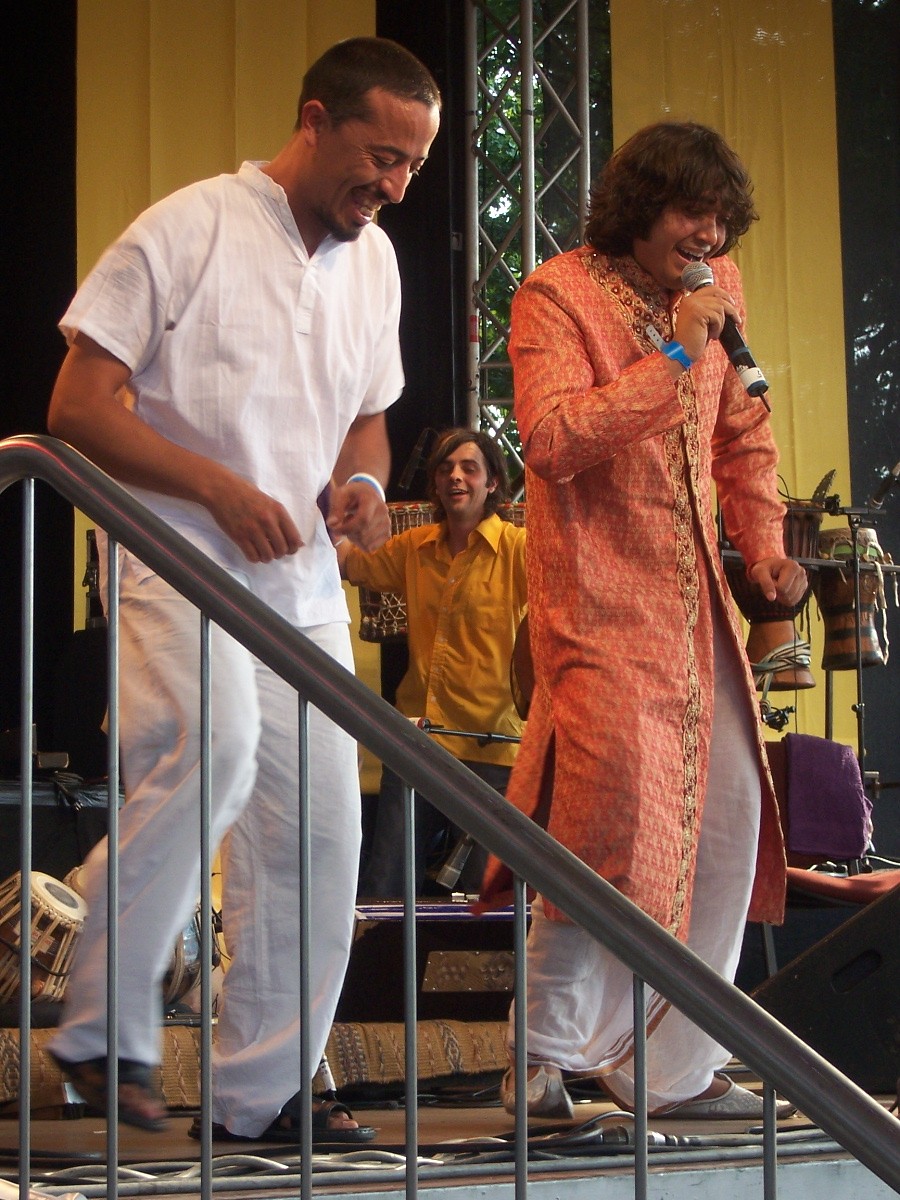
pixel 362 477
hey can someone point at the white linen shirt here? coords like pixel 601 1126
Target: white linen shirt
pixel 248 351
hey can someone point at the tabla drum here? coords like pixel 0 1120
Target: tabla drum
pixel 834 592
pixel 183 974
pixel 383 614
pixel 56 918
pixel 75 879
pixel 779 657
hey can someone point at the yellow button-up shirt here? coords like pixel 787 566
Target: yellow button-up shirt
pixel 463 613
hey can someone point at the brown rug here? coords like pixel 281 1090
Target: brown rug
pixel 357 1054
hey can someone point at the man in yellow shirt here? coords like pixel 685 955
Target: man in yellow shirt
pixel 463 580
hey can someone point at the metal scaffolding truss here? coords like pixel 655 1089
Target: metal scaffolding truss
pixel 531 69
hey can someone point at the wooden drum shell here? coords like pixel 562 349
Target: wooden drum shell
pixel 772 624
pixel 834 593
pixel 56 918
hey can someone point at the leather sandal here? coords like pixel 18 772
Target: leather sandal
pixel 286 1126
pixel 139 1103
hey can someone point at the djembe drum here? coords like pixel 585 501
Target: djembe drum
pixel 56 918
pixel 834 592
pixel 383 614
pixel 779 658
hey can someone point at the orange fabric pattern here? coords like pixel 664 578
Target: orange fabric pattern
pixel 623 573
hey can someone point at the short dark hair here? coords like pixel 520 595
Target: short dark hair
pixel 448 442
pixel 344 75
pixel 670 164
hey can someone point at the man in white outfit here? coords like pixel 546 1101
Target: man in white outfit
pixel 253 319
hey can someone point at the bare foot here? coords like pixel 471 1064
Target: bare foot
pixel 336 1119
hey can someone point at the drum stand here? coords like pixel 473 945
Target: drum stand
pixel 858 517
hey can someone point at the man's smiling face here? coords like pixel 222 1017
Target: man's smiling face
pixel 675 239
pixel 462 484
pixel 362 164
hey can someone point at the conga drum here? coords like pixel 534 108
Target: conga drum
pixel 779 657
pixel 56 917
pixel 834 592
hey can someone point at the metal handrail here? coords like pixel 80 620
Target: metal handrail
pixel 837 1105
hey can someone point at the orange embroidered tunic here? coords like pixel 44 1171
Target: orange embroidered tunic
pixel 623 574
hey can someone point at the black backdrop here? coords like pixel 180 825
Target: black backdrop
pixel 37 216
pixel 427 230
pixel 867 72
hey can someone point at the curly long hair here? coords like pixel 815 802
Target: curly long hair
pixel 670 164
pixel 448 442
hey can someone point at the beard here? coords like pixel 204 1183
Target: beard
pixel 339 231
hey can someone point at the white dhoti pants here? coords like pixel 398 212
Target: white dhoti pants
pixel 580 996
pixel 254 794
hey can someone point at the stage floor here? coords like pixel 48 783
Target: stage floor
pixel 460 1143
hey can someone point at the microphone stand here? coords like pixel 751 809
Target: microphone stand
pixel 452 867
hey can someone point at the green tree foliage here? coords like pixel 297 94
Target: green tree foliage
pixel 561 173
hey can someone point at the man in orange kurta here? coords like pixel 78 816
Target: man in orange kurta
pixel 643 732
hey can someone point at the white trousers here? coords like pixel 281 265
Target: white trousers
pixel 255 796
pixel 580 996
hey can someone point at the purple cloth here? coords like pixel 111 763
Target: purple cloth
pixel 829 812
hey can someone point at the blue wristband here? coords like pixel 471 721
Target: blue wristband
pixel 362 477
pixel 677 352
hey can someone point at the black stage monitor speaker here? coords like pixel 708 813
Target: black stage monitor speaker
pixel 464 964
pixel 842 996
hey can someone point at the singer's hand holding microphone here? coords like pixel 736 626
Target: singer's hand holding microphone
pixel 701 317
pixel 713 312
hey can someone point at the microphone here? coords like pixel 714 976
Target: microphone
pixel 698 275
pixel 885 486
pixel 415 461
pixel 457 859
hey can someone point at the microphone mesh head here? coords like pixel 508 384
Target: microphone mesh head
pixel 696 275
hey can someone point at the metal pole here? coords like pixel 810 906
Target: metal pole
pixel 26 718
pixel 472 224
pixel 112 879
pixel 526 64
pixel 582 51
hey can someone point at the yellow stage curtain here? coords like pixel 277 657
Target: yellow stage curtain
pixel 762 72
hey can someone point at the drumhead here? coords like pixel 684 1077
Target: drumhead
pixel 837 543
pixel 55 897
